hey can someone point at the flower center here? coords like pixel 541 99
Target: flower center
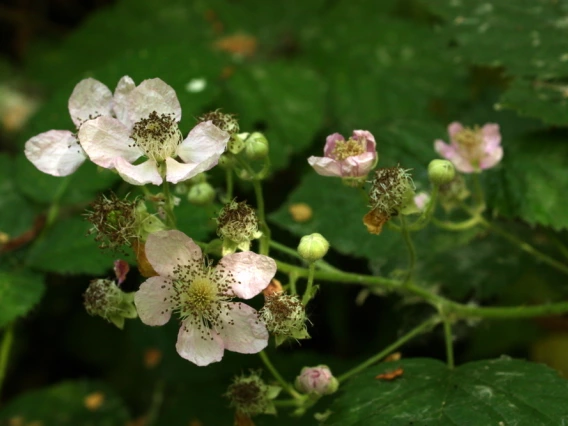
pixel 157 135
pixel 348 148
pixel 200 297
pixel 470 142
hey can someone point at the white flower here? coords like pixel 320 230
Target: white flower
pixel 146 126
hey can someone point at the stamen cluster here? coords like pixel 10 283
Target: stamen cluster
pixel 225 122
pixel 389 189
pixel 237 226
pixel 284 316
pixel 157 135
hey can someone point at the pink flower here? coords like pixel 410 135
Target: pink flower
pixel 202 296
pixel 421 200
pixel 146 125
pixel 316 380
pixel 472 150
pixel 352 158
pixel 57 152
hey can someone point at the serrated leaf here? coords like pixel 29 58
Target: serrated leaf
pixel 66 249
pixel 288 100
pixel 19 293
pixel 67 404
pixel 503 391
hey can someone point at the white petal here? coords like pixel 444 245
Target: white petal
pixel 167 249
pixel 152 95
pixel 139 174
pixel 104 139
pixel 123 89
pixel 201 348
pixel 247 273
pixel 56 152
pixel 325 166
pixel 89 99
pixel 204 145
pixel 178 172
pixel 154 301
pixel 242 331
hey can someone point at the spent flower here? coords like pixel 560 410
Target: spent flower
pixel 284 316
pixel 146 126
pixel 472 149
pixel 250 395
pixel 202 297
pixel 104 298
pixel 349 159
pixel 237 226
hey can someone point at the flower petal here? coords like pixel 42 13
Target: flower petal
pixel 104 139
pixel 330 143
pixel 178 172
pixel 152 95
pixel 449 152
pixel 89 99
pixel 204 145
pixel 325 166
pixel 359 165
pixel 123 88
pixel 248 273
pixel 154 301
pixel 167 249
pixel 56 152
pixel 453 129
pixel 139 174
pixel 491 158
pixel 199 346
pixel 242 331
pixel 491 137
pixel 368 136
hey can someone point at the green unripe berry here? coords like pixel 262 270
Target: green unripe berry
pixel 313 247
pixel 226 161
pixel 201 194
pixel 236 144
pixel 256 146
pixel 441 172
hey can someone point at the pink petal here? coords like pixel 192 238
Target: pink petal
pixel 56 152
pixel 199 346
pixel 104 139
pixel 204 145
pixel 330 143
pixel 123 88
pixel 364 134
pixel 445 150
pixel 89 99
pixel 325 166
pixel 491 136
pixel 454 128
pixel 154 301
pixel 167 249
pixel 248 273
pixel 178 172
pixel 152 95
pixel 491 159
pixel 139 174
pixel 242 331
pixel 359 165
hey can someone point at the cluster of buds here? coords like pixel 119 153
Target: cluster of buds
pixel 120 222
pixel 250 395
pixel 237 226
pixel 392 193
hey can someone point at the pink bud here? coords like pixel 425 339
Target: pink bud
pixel 317 380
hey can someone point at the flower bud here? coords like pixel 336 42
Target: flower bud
pixel 226 161
pixel 105 299
pixel 441 172
pixel 313 247
pixel 201 194
pixel 236 144
pixel 284 317
pixel 316 380
pixel 256 146
pixel 237 226
pixel 249 395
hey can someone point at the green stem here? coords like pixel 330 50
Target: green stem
pixel 321 264
pixel 524 246
pixel 410 247
pixel 285 385
pixel 478 193
pixel 168 205
pixel 265 239
pixel 229 179
pixel 293 277
pixel 449 342
pixel 156 404
pixel 7 341
pixel 308 293
pixel 422 328
pixel 459 310
pixel 457 226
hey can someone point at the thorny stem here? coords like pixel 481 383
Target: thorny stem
pixel 7 341
pixel 308 293
pixel 285 385
pixel 449 342
pixel 422 328
pixel 410 247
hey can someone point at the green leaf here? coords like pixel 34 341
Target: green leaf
pixel 66 249
pixel 285 99
pixel 68 404
pixel 19 293
pixel 503 391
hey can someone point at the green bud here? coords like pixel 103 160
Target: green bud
pixel 313 247
pixel 201 194
pixel 105 299
pixel 236 144
pixel 441 172
pixel 147 223
pixel 226 161
pixel 199 178
pixel 256 146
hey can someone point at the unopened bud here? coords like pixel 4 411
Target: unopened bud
pixel 317 380
pixel 201 194
pixel 313 247
pixel 441 172
pixel 226 161
pixel 256 146
pixel 105 299
pixel 236 144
